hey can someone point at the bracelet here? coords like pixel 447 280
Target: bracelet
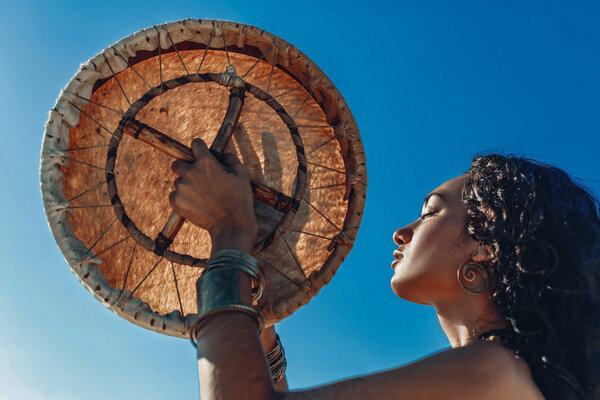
pixel 231 307
pixel 280 373
pixel 275 353
pixel 244 263
pixel 243 256
pixel 277 361
pixel 218 291
pixel 256 276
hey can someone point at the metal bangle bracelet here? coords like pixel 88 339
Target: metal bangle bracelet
pixel 236 254
pixel 235 260
pixel 255 272
pixel 256 276
pixel 277 361
pixel 280 372
pixel 253 269
pixel 260 322
pixel 278 347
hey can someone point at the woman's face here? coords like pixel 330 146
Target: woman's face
pixel 432 248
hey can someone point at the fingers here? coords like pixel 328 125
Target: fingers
pixel 231 162
pixel 173 200
pixel 180 197
pixel 175 194
pixel 200 151
pixel 179 167
pixel 199 148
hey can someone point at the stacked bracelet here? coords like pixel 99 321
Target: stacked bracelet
pixel 218 290
pixel 242 262
pixel 277 362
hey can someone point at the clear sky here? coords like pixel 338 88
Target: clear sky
pixel 430 84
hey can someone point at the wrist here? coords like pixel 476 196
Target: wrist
pixel 268 338
pixel 234 236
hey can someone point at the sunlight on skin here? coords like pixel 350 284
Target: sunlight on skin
pixel 448 95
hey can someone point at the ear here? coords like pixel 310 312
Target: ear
pixel 483 253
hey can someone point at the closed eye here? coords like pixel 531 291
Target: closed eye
pixel 424 216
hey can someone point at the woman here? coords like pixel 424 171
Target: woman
pixel 507 253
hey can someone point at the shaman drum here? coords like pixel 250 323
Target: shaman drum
pixel 129 111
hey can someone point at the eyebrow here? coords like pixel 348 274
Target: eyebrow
pixel 430 195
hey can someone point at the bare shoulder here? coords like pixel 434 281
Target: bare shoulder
pixel 482 370
pixel 505 372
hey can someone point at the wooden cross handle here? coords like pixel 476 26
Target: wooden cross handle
pixel 179 151
pixel 236 101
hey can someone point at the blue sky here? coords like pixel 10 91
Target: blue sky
pixel 430 83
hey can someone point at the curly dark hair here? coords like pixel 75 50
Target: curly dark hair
pixel 544 229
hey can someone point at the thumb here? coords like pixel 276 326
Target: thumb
pixel 199 148
pixel 231 161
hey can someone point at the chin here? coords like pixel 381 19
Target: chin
pixel 407 289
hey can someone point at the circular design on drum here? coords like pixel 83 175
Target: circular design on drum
pixel 288 205
pixel 276 111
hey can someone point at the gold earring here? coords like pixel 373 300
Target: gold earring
pixel 468 272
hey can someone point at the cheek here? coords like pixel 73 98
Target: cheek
pixel 430 264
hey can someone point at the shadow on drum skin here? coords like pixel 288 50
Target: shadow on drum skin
pixel 271 174
pixel 166 295
pixel 273 162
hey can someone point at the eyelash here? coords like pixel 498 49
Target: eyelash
pixel 426 215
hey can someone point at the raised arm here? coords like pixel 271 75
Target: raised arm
pixel 231 359
pixel 217 197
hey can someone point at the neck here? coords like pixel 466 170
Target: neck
pixel 464 320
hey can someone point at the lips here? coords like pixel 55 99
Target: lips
pixel 398 256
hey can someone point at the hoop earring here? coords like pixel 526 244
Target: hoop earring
pixel 468 273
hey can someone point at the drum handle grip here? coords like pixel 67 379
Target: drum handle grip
pixel 236 101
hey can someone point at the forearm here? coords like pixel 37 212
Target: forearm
pixel 231 361
pixel 217 197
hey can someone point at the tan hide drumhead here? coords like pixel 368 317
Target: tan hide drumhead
pixel 295 135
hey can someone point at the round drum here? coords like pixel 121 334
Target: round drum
pixel 133 109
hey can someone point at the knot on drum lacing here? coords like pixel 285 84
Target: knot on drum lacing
pixel 229 78
pixel 161 244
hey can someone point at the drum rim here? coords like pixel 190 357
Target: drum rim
pixel 65 115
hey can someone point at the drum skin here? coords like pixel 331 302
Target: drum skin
pixel 144 287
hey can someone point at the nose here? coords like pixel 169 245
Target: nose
pixel 403 236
